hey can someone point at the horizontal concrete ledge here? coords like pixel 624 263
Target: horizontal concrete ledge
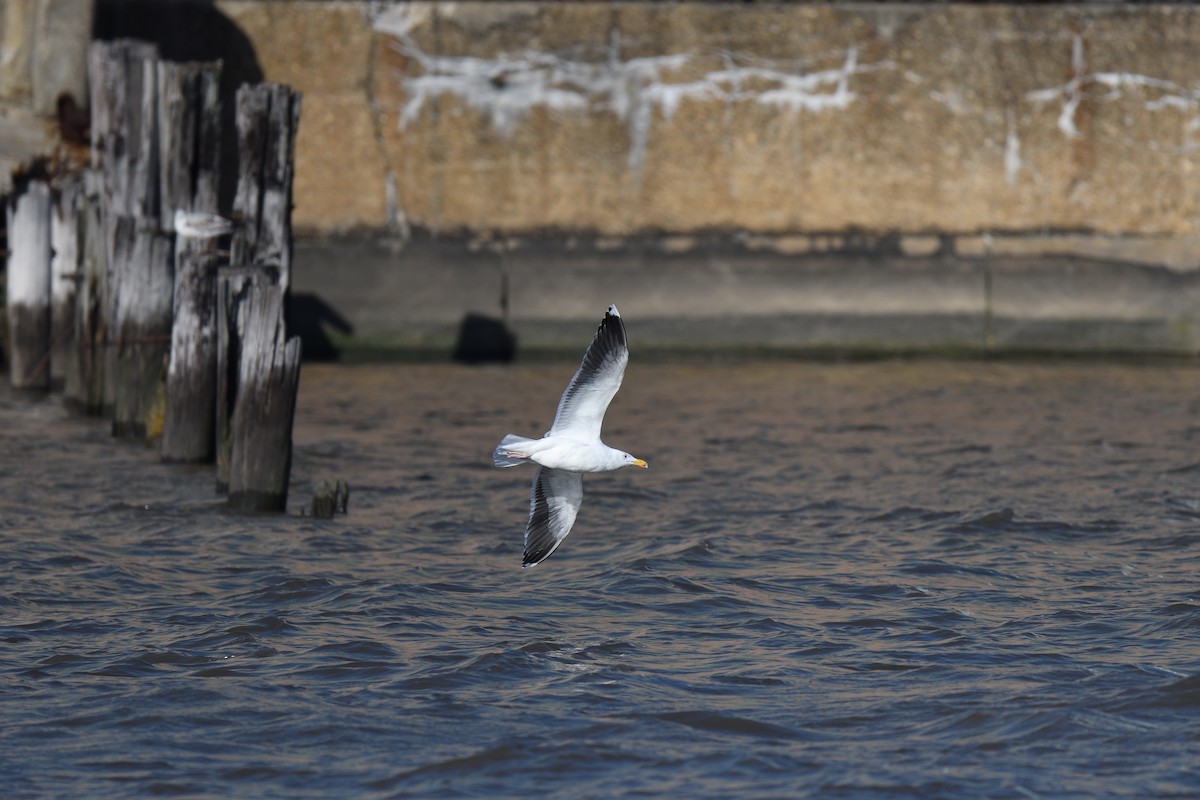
pixel 373 300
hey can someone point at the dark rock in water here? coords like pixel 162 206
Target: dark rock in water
pixel 483 339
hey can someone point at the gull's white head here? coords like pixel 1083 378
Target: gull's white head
pixel 630 461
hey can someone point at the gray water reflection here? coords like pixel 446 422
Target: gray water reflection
pixel 856 580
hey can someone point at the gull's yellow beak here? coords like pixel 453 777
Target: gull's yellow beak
pixel 637 462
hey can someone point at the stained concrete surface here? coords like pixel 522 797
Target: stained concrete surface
pixel 384 300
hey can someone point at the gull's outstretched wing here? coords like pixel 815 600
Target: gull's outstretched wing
pixel 553 503
pixel 581 409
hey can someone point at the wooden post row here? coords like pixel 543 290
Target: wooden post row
pixel 161 338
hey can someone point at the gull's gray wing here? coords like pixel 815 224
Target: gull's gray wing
pixel 553 503
pixel 581 409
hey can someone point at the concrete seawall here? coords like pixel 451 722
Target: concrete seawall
pixel 842 177
pixel 633 118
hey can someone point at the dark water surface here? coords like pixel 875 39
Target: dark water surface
pixel 925 580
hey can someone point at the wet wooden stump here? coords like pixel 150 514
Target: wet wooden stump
pixel 190 418
pixel 330 498
pixel 28 303
pixel 268 379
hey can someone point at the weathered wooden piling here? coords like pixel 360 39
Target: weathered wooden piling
pixel 107 68
pixel 140 275
pixel 233 292
pixel 141 285
pixel 64 278
pixel 85 388
pixel 268 379
pixel 124 146
pixel 268 116
pixel 28 303
pixel 188 425
pixel 257 366
pixel 189 130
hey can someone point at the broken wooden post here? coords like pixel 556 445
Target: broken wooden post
pixel 64 281
pixel 268 116
pixel 28 303
pixel 330 498
pixel 192 375
pixel 268 379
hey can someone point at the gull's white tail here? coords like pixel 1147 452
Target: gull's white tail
pixel 506 453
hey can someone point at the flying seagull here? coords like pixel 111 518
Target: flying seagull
pixel 572 446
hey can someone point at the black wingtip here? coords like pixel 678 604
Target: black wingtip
pixel 534 557
pixel 612 322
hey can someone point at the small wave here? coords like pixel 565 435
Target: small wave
pixel 726 724
pixel 453 766
pixel 146 664
pixel 292 590
pixel 931 567
pixel 912 514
